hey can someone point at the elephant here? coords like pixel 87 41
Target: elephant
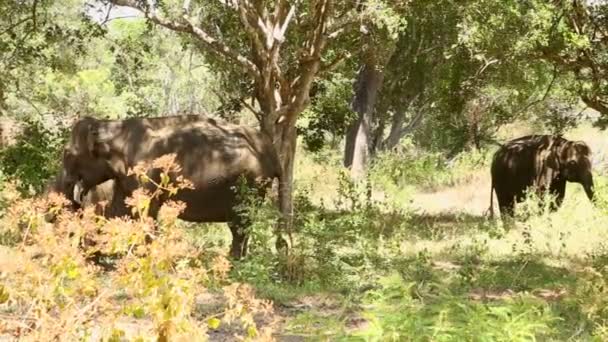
pixel 541 162
pixel 213 156
pixel 97 195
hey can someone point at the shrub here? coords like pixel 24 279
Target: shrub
pixel 407 166
pixel 53 291
pixel 32 160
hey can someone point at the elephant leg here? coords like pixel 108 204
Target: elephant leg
pixel 240 238
pixel 506 203
pixel 558 189
pixel 507 209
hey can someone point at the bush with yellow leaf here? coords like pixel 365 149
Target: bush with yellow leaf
pixel 87 277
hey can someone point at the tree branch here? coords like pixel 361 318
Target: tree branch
pixel 280 34
pixel 310 61
pixel 258 115
pixel 215 45
pixel 341 57
pixel 34 7
pixel 595 103
pixel 24 20
pixel 250 29
pixel 338 26
pixel 545 95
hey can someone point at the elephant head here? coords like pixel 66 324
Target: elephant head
pixel 88 159
pixel 575 164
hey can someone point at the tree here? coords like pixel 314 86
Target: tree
pixel 280 46
pixel 36 35
pixel 414 71
pixel 366 90
pixel 478 72
pixel 566 38
pixel 577 42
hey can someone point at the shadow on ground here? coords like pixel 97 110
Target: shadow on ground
pixel 508 300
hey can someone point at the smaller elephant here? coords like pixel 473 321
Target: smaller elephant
pixel 101 194
pixel 541 162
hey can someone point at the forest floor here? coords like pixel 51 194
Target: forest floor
pixel 462 275
pixel 536 278
pixel 455 274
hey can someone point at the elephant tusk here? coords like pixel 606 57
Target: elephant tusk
pixel 78 193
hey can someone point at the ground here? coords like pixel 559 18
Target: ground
pixel 450 272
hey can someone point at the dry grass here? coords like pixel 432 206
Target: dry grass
pixel 577 224
pixel 472 197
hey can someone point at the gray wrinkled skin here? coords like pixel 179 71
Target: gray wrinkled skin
pixel 212 155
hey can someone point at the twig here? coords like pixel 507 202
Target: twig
pixel 544 97
pixel 117 18
pixel 27 231
pixel 34 6
pixel 15 25
pixel 78 316
pixel 519 272
pixel 19 322
pixel 255 112
pixel 337 61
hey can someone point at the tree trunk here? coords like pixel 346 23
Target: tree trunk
pixel 398 131
pixel 377 134
pixel 396 127
pixel 360 145
pixel 349 144
pixel 356 152
pixel 286 148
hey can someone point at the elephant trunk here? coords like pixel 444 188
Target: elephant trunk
pixel 588 186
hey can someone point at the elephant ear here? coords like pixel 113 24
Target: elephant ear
pixel 547 164
pixel 97 139
pixel 582 148
pixel 573 151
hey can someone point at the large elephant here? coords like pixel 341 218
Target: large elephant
pixel 212 155
pixel 541 162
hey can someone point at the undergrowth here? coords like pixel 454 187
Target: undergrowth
pixel 426 171
pixel 51 289
pixel 389 273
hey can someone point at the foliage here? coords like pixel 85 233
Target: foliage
pixel 32 160
pixel 328 113
pixel 39 37
pixel 398 267
pixel 409 165
pixel 332 248
pixel 152 83
pixel 52 290
pixel 398 314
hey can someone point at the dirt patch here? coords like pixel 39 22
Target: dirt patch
pixel 471 198
pixel 494 295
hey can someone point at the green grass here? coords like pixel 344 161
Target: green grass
pixel 449 273
pixel 426 265
pixel 453 276
pixel 418 259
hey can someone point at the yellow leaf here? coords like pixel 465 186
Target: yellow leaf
pixel 252 332
pixel 3 295
pixel 164 179
pixel 213 323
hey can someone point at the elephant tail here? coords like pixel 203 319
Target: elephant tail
pixel 492 199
